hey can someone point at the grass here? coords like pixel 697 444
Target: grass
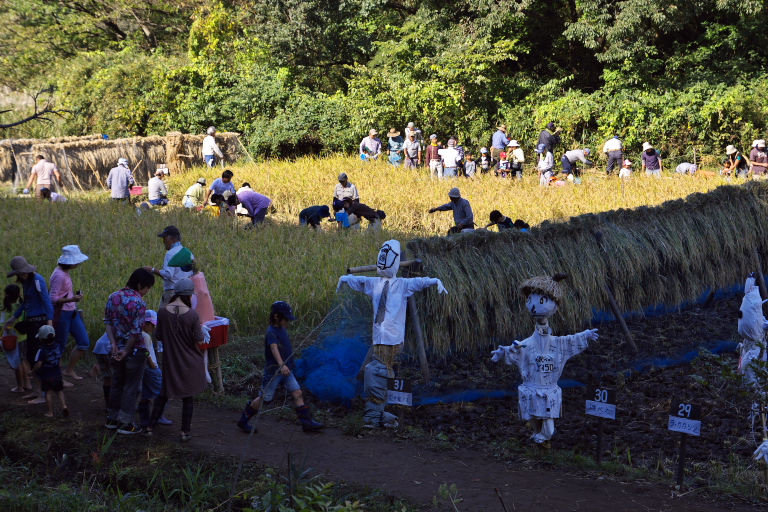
pixel 248 270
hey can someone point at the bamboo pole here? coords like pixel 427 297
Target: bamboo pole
pixel 372 268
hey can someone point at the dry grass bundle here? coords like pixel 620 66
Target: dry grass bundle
pixel 665 255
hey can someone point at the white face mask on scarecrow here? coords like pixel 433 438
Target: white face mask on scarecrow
pixel 388 262
pixel 542 357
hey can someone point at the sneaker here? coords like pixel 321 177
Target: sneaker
pixel 128 428
pixel 147 433
pixel 164 421
pixel 112 424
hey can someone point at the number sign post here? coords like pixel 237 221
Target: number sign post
pixel 601 402
pixel 684 418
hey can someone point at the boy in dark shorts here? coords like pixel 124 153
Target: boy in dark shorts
pixel 47 368
pixel 278 354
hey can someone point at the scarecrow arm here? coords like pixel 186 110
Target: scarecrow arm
pixel 358 283
pixel 417 284
pixel 762 452
pixel 508 353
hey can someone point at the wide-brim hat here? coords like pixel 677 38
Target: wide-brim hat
pixel 393 133
pixel 71 255
pixel 513 143
pixel 501 127
pixel 647 146
pixel 19 266
pixel 372 131
pixel 454 192
pixel 730 149
pixel 760 143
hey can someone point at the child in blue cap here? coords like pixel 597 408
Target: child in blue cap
pixel 278 354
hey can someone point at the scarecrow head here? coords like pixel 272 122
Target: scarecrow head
pixel 388 262
pixel 543 295
pixel 751 317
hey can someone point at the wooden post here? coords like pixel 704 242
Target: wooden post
pixel 681 461
pixel 214 363
pixel 760 278
pixel 599 458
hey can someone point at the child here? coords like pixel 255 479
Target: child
pixel 504 165
pixel 484 163
pixel 522 226
pixel 217 204
pixel 626 169
pixel 470 166
pixel 152 379
pixel 16 358
pixel 47 368
pixel 278 354
pixel 503 223
pixel 545 165
pixel 341 216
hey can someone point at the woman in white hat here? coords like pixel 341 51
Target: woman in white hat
pixel 735 161
pixel 66 319
pixel 651 161
pixel 759 158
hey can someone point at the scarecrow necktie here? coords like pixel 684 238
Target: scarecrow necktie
pixel 382 304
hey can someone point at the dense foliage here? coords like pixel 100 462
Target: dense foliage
pixel 308 75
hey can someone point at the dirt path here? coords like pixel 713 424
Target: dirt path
pixel 400 467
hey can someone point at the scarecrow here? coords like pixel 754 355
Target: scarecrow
pixel 752 326
pixel 390 299
pixel 541 357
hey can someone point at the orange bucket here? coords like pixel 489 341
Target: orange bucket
pixel 9 341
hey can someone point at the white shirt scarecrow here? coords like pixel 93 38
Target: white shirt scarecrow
pixel 752 326
pixel 390 299
pixel 541 357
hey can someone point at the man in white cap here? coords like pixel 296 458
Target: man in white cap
pixel 484 162
pixel 651 161
pixel 433 157
pixel 735 161
pixel 759 158
pixel 120 180
pixel 370 146
pixel 462 211
pixel 211 150
pixel 194 197
pixel 451 159
pixel 45 172
pixel 390 300
pixel 345 190
pixel 157 191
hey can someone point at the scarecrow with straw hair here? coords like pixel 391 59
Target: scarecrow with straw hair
pixel 541 357
pixel 390 298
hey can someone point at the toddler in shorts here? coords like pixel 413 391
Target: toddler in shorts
pixel 47 368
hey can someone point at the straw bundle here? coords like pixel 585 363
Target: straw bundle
pixel 665 255
pixel 87 160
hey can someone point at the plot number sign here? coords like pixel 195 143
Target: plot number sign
pixel 684 417
pixel 601 402
pixel 399 392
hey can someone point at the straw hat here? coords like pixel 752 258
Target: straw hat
pixel 545 285
pixel 20 266
pixel 393 133
pixel 730 149
pixel 647 146
pixel 502 127
pixel 71 255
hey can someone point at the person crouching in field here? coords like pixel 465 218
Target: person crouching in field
pixel 278 354
pixel 313 215
pixel 359 211
pixel 47 368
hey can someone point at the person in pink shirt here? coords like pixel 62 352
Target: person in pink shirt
pixel 45 172
pixel 67 320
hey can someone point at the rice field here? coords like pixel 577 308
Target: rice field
pixel 247 270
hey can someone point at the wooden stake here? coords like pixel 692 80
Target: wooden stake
pixel 681 461
pixel 760 278
pixel 599 458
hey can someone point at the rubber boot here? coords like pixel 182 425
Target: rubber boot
pixel 242 423
pixel 144 413
pixel 305 417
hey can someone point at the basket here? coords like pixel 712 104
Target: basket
pixel 137 191
pixel 9 340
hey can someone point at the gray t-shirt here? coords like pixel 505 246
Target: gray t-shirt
pixel 412 148
pixel 156 188
pixel 684 168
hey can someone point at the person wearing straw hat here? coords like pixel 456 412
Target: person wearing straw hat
pixel 395 147
pixel 211 150
pixel 370 146
pixel 39 312
pixel 499 142
pixel 651 160
pixel 735 161
pixel 759 158
pixel 171 275
pixel 462 211
pixel 44 172
pixel 120 180
pixel 194 197
pixel 67 319
pixel 157 191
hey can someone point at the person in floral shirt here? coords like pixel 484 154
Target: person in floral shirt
pixel 124 319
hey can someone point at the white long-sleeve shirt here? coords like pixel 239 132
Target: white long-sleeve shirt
pixel 210 147
pixel 517 155
pixel 547 162
pixel 172 275
pixel 391 331
pixel 612 145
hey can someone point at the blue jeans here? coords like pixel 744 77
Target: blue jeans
pixel 126 384
pixel 259 216
pixel 210 160
pixel 270 385
pixel 158 202
pixel 151 383
pixel 70 322
pixel 567 165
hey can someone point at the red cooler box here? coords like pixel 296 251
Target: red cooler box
pixel 137 191
pixel 219 332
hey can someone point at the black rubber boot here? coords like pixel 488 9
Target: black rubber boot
pixel 305 417
pixel 144 413
pixel 242 423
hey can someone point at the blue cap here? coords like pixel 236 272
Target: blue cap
pixel 283 308
pixel 541 148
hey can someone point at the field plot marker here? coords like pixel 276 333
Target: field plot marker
pixel 684 418
pixel 601 403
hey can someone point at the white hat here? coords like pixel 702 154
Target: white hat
pixel 483 150
pixel 122 161
pixel 451 143
pixel 760 143
pixel 731 149
pixel 454 192
pixel 71 255
pixel 211 130
pixel 372 132
pixel 513 143
pixel 647 146
pixel 433 136
pixel 411 125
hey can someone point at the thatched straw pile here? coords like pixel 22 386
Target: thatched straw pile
pixel 85 161
pixel 664 255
